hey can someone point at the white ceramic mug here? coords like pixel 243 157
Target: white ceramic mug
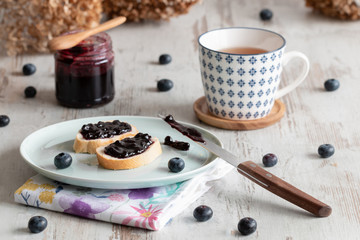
pixel 244 86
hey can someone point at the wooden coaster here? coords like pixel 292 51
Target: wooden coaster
pixel 203 114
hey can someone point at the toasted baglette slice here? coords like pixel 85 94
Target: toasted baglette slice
pixel 129 152
pixel 92 136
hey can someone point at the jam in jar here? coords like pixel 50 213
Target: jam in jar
pixel 84 74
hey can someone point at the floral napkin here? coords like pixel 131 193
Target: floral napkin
pixel 149 208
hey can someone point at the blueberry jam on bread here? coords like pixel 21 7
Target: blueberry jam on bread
pixel 129 152
pixel 92 136
pixel 129 146
pixel 104 129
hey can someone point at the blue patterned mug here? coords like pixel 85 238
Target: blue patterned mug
pixel 240 70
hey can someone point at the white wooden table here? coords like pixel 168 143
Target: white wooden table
pixel 313 117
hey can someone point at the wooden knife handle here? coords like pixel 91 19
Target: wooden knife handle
pixel 283 189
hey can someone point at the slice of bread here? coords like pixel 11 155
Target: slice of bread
pixel 82 145
pixel 149 155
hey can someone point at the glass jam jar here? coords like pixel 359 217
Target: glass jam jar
pixel 84 74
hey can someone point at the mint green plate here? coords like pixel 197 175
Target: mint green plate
pixel 40 148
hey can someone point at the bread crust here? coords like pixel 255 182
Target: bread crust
pixel 82 145
pixel 150 154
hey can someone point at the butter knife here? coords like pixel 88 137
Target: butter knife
pixel 256 173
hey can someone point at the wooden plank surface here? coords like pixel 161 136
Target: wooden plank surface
pixel 313 117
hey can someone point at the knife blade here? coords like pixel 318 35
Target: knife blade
pixel 255 173
pixel 227 156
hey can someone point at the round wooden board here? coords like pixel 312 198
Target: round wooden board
pixel 203 114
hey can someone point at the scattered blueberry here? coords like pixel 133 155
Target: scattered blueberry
pixel 165 85
pixel 4 120
pixel 165 59
pixel 266 14
pixel 203 213
pixel 326 150
pixel 270 160
pixel 37 224
pixel 247 226
pixel 29 69
pixel 176 164
pixel 331 84
pixel 30 92
pixel 62 160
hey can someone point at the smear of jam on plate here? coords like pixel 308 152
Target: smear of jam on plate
pixel 183 146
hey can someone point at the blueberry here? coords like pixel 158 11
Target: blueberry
pixel 203 213
pixel 4 120
pixel 30 92
pixel 266 14
pixel 176 164
pixel 331 84
pixel 326 150
pixel 270 160
pixel 165 85
pixel 29 69
pixel 37 224
pixel 247 226
pixel 165 59
pixel 62 160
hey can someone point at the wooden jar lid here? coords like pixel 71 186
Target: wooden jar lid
pixel 203 114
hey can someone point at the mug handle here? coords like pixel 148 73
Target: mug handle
pixel 305 70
